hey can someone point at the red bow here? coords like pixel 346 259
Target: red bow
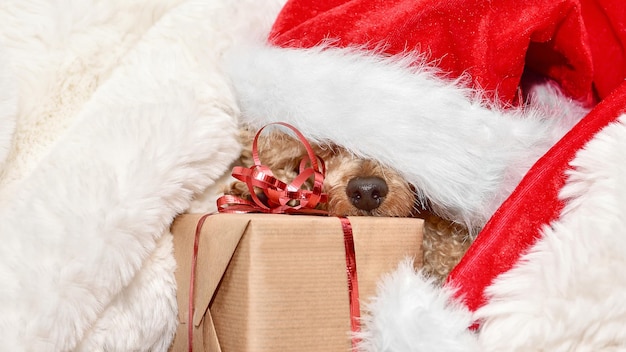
pixel 282 198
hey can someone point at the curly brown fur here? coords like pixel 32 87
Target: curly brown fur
pixel 444 245
pixel 444 242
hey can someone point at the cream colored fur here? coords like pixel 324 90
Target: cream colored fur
pixel 123 116
pixel 8 106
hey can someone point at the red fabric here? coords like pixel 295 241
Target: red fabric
pixel 579 43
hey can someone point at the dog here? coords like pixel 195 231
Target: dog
pixel 357 187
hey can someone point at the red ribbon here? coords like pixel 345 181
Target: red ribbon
pixel 192 282
pixel 282 198
pixel 353 281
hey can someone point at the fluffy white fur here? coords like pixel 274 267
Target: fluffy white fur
pixel 123 116
pixel 411 313
pixel 462 154
pixel 8 106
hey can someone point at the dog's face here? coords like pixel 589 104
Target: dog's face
pixel 355 186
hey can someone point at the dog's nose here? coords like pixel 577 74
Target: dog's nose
pixel 367 193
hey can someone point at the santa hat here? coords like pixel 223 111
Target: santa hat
pixel 387 80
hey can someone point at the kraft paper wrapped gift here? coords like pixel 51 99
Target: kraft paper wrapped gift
pixel 278 282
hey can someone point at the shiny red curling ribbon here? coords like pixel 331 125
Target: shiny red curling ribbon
pixel 282 198
pixel 192 282
pixel 353 281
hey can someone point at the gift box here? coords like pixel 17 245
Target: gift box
pixel 279 282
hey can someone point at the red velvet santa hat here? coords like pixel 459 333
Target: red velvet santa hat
pixel 578 43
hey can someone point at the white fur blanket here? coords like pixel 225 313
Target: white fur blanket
pixel 113 115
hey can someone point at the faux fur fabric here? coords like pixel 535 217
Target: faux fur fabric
pixel 8 106
pixel 122 115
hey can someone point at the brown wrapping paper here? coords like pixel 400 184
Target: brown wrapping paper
pixel 278 282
